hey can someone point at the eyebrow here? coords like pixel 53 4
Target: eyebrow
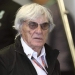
pixel 41 23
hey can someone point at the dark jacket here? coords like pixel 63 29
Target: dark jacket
pixel 8 9
pixel 13 61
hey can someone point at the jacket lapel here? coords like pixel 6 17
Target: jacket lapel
pixel 51 57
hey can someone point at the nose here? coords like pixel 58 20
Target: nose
pixel 39 29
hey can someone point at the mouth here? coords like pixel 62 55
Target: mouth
pixel 37 38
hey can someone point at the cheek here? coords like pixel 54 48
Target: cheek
pixel 27 34
pixel 46 34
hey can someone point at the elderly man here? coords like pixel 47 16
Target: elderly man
pixel 30 55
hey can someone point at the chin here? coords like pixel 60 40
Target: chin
pixel 38 44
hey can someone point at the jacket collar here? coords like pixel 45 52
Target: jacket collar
pixel 51 55
pixel 18 45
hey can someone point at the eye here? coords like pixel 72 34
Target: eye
pixel 33 25
pixel 45 25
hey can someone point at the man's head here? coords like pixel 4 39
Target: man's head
pixel 33 23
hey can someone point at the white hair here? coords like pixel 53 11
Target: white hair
pixel 32 11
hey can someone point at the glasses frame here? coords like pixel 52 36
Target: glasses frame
pixel 33 25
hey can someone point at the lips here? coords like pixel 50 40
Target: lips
pixel 37 38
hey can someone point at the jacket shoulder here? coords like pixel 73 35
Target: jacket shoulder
pixel 7 50
pixel 50 49
pixel 7 56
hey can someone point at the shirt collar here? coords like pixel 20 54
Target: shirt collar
pixel 30 52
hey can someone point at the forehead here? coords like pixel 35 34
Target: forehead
pixel 40 19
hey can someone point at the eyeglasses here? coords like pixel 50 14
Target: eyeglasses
pixel 34 25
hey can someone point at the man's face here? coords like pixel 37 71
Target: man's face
pixel 33 34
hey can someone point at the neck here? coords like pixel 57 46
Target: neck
pixel 37 49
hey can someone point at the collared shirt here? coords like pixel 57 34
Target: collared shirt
pixel 30 52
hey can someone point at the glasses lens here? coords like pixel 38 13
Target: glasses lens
pixel 33 25
pixel 45 26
